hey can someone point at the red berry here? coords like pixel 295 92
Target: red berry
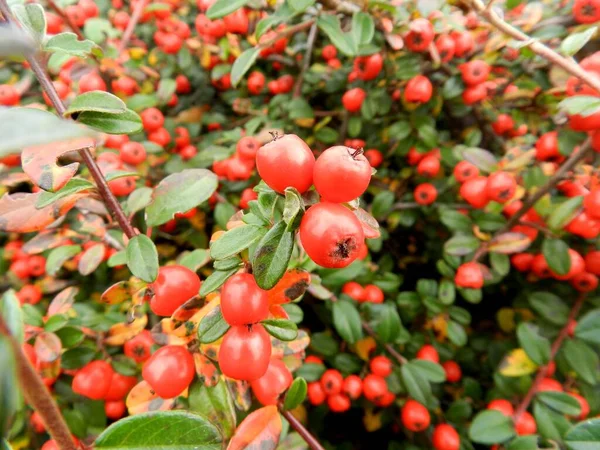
pixel 331 235
pixel 132 153
pixel 446 47
pixel 577 266
pixel 120 385
pixel 374 387
pixel 469 275
pixel 139 347
pixel 464 171
pixel 502 405
pixel 522 261
pixel 453 372
pixel 592 262
pixel 586 11
pixel 245 352
pixel 352 386
pixel 374 156
pixel 425 194
pixel 160 137
pixel 93 380
pixel 115 409
pixel 474 191
pixel 20 268
pixel 9 96
pixel 124 85
pixel 428 353
pixel 501 187
pixel 152 119
pixel 582 225
pixel 474 72
pixel 591 203
pixel 122 186
pixel 173 286
pixel 368 67
pixel 91 82
pixel 353 290
pixel 418 90
pixel 583 403
pixel 247 196
pixel 463 42
pixel 415 416
pixel 329 52
pixel 585 282
pixel 338 403
pixel 381 365
pixel 546 147
pixel 30 293
pixel 169 371
pixel 256 83
pixel 286 162
pixel 316 394
pixel 420 35
pixel 429 166
pixel 332 382
pixel 242 301
pixel 273 383
pixel 247 147
pixel 503 124
pixel 445 437
pixel 548 384
pixel 373 294
pixel 341 174
pixel 37 422
pixel 525 425
pixel 353 99
pixel 474 94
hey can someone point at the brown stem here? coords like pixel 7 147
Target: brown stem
pixel 310 43
pixel 287 32
pixel 37 395
pixel 64 16
pixel 391 350
pixel 537 47
pixel 569 164
pixel 522 407
pixel 312 441
pixel 133 21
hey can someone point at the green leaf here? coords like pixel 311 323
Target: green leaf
pixel 389 324
pixel 127 122
pixel 454 220
pixel 330 25
pixel 282 329
pixel 301 5
pixel 482 159
pixel 70 336
pixel 96 101
pixel 295 394
pixel 575 42
pixel 215 403
pixel 500 263
pixel 58 256
pixel 166 89
pixel 446 292
pixel 242 64
pixel 139 102
pixel 585 105
pixel 69 44
pixel 15 41
pixel 178 193
pixel 292 207
pixel 311 372
pixel 56 322
pixel 10 310
pixel 117 259
pixel 346 321
pixel 461 245
pixel 491 427
pixel 33 19
pixel 212 326
pixel 550 307
pixel 587 328
pixel 564 213
pixel 416 384
pixel 76 358
pixel 529 442
pixel 582 359
pixel 235 241
pixel 457 334
pixel 550 424
pixel 215 280
pixel 382 204
pixel 272 256
pixel 430 370
pixel 221 8
pixel 584 435
pixel 16 125
pixel 536 346
pixel 9 387
pixel 196 259
pixel 363 28
pixel 560 402
pixel 138 199
pixel 556 253
pixel 177 430
pixel 73 186
pixel 142 258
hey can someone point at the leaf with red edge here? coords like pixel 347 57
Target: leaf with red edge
pixel 46 240
pixel 90 224
pixel 370 226
pixel 281 348
pixel 63 301
pixel 18 213
pixel 507 243
pixel 117 293
pixel 207 372
pixel 48 349
pixel 259 430
pixel 120 333
pixel 240 393
pixel 91 259
pixel 39 162
pixel 142 399
pixel 49 284
pixel 292 285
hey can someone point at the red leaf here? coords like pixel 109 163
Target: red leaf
pixel 259 431
pixel 18 213
pixel 39 162
pixel 63 301
pixel 293 284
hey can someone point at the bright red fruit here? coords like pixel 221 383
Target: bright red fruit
pixel 354 290
pixel 173 286
pixel 418 90
pixel 30 293
pixel 338 403
pixel 583 403
pixel 446 47
pixel 474 191
pixel 316 394
pixel 549 384
pixel 9 96
pixel 502 405
pixel 91 82
pixel 247 147
pixel 332 381
pixel 585 282
pixel 592 262
pixel 591 203
pixel 353 99
pixel 469 275
pixel 247 196
pixel 522 261
pixel 415 416
pixel 474 72
pixel 373 294
pixel 341 174
pixel 525 425
pixel 115 409
pixel 245 352
pixel 242 301
pixel 503 124
pixel 425 194
pixel 501 186
pixel 453 372
pixel 381 365
pixel 273 383
pixel 586 11
pixel 464 171
pixel 256 82
pixel 284 162
pixel 429 166
pixel 122 186
pixel 169 371
pixel 445 437
pixel 352 386
pixel 152 119
pixel 139 347
pixel 428 353
pixel 368 67
pixel 93 380
pixel 329 52
pixel 374 156
pixel 331 235
pixel 120 385
pixel 132 153
pixel 420 35
pixel 374 387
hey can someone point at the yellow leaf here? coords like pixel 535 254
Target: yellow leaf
pixel 372 421
pixel 517 364
pixel 364 347
pixel 506 319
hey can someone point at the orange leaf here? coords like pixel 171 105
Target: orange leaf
pixel 509 243
pixel 142 399
pixel 39 162
pixel 63 301
pixel 206 370
pixel 240 392
pixel 260 430
pixel 280 348
pixel 18 212
pixel 278 312
pixel 48 350
pixel 122 332
pixel 291 286
pixel 117 293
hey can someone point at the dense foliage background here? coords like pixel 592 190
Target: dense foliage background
pixel 170 285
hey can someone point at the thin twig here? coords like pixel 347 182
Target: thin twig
pixel 312 442
pixel 536 46
pixel 522 407
pixel 310 43
pixel 133 21
pixel 64 16
pixel 286 32
pixel 35 391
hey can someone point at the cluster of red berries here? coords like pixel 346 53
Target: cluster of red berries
pixel 24 267
pixel 240 165
pixel 338 391
pixel 367 294
pixel 331 234
pixel 505 126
